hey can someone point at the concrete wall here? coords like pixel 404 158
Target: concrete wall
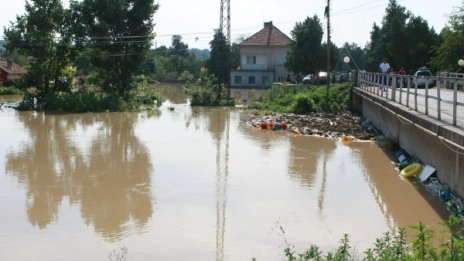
pixel 417 134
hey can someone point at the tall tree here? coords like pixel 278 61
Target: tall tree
pixel 43 34
pixel 120 35
pixel 218 63
pixel 334 55
pixel 420 51
pixel 375 49
pixel 178 47
pixel 451 49
pixel 406 40
pixel 304 54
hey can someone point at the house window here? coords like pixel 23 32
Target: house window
pixel 238 79
pixel 251 80
pixel 251 60
pixel 265 80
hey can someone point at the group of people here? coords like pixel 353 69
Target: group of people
pixel 385 69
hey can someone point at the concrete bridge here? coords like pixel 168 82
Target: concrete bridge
pixel 425 116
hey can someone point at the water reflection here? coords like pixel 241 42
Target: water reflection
pixel 110 178
pixel 306 154
pixel 219 127
pixel 400 200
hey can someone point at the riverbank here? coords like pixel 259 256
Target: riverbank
pixel 324 124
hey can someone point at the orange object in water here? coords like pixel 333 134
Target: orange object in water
pixel 283 126
pixel 347 139
pixel 263 125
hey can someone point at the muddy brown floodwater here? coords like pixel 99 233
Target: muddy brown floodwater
pixel 189 184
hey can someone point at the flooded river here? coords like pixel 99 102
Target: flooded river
pixel 189 184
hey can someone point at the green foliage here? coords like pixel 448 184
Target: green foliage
pixel 124 31
pixel 10 91
pixel 207 91
pixel 305 51
pixel 91 101
pixel 218 64
pixel 389 40
pixel 357 56
pixel 393 247
pixel 43 33
pixel 303 104
pixel 451 48
pixel 304 99
pixel 168 64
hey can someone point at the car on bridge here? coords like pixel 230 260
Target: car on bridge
pixel 422 77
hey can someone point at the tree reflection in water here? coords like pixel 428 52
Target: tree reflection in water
pixel 110 178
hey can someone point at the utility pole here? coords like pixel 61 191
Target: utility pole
pixel 327 14
pixel 224 20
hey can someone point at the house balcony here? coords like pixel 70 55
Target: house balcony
pixel 255 67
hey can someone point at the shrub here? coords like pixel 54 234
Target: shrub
pixel 303 104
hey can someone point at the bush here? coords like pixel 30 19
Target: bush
pixel 303 99
pixel 90 101
pixel 303 104
pixel 10 91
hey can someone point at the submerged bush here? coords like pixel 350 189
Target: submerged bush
pixel 10 91
pixel 90 101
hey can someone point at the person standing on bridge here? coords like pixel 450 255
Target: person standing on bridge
pixel 384 68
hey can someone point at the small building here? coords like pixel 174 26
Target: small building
pixel 10 71
pixel 262 59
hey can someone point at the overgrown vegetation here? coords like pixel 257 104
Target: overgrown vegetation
pixel 394 247
pixel 303 99
pixel 10 91
pixel 207 91
pixel 90 100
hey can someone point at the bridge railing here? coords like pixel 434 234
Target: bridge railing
pixel 439 97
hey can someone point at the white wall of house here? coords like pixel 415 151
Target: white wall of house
pixel 266 58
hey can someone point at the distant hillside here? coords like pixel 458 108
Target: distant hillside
pixel 201 55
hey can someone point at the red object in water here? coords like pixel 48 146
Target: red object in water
pixel 283 126
pixel 263 125
pixel 270 125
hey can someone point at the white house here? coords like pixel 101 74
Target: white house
pixel 262 56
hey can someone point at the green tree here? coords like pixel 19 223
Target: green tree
pixel 178 47
pixel 451 49
pixel 406 40
pixel 43 34
pixel 304 54
pixel 120 35
pixel 357 57
pixel 375 49
pixel 420 51
pixel 334 56
pixel 218 64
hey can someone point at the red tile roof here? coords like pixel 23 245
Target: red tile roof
pixel 14 69
pixel 268 36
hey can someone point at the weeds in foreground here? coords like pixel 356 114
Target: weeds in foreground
pixel 392 247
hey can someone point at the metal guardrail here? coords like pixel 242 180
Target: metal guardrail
pixel 439 97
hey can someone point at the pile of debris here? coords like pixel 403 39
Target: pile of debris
pixel 325 124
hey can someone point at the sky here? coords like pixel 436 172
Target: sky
pixel 195 21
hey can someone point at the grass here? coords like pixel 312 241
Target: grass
pixel 303 99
